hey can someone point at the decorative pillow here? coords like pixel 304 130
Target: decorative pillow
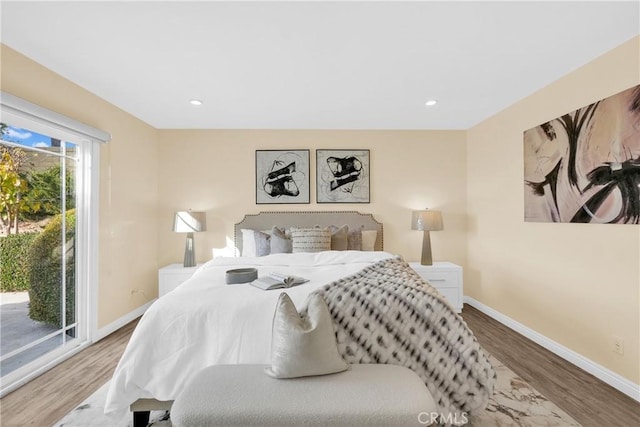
pixel 310 239
pixel 303 346
pixel 280 242
pixel 339 237
pixel 354 240
pixel 255 243
pixel 369 239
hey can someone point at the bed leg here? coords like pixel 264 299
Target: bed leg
pixel 141 418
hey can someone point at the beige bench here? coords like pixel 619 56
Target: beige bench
pixel 243 395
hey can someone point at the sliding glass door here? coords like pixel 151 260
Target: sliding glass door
pixel 40 183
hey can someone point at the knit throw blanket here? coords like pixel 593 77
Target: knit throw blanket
pixel 387 313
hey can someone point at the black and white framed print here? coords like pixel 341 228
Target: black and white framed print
pixel 282 176
pixel 342 176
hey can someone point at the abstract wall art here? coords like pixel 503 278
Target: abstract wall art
pixel 282 176
pixel 342 176
pixel 584 166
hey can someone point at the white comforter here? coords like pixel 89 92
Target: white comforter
pixel 207 322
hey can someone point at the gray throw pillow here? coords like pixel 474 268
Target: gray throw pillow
pixel 303 346
pixel 280 243
pixel 262 243
pixel 354 240
pixel 339 237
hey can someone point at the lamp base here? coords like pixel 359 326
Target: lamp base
pixel 426 249
pixel 189 252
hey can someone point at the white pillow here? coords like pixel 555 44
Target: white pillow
pixel 369 239
pixel 255 243
pixel 303 346
pixel 314 239
pixel 280 242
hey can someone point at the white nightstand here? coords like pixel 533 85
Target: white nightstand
pixel 446 277
pixel 170 276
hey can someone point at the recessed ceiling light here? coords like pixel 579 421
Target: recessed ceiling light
pixel 431 102
pixel 195 102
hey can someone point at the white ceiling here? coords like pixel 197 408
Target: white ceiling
pixel 315 65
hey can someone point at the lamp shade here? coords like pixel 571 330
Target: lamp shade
pixel 426 220
pixel 189 222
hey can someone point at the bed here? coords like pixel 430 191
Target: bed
pixel 205 322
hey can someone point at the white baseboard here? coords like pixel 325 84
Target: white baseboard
pixel 119 323
pixel 617 381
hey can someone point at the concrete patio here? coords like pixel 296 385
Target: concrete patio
pixel 17 330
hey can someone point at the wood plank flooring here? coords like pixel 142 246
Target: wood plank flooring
pixel 46 399
pixel 591 402
pixel 588 400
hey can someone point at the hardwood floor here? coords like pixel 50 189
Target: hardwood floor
pixel 591 402
pixel 588 400
pixel 46 399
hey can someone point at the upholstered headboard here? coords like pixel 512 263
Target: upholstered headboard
pixel 266 220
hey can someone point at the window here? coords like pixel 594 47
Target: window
pixel 48 202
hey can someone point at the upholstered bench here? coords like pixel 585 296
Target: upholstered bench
pixel 243 395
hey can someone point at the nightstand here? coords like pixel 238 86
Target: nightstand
pixel 170 276
pixel 446 277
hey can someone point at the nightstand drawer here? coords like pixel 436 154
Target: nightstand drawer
pixel 441 278
pixel 446 277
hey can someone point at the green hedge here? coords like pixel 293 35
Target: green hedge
pixel 45 272
pixel 14 269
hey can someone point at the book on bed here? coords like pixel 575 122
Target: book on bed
pixel 277 281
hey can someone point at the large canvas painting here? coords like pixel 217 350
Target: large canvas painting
pixel 584 166
pixel 342 176
pixel 282 176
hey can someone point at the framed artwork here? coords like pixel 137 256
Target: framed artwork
pixel 342 176
pixel 282 176
pixel 584 166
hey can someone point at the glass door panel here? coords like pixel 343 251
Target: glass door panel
pixel 38 302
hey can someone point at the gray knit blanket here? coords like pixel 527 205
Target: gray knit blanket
pixel 387 313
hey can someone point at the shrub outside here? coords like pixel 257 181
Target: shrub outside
pixel 14 267
pixel 45 272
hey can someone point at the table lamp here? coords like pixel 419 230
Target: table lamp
pixel 426 221
pixel 189 222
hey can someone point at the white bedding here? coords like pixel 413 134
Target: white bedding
pixel 207 322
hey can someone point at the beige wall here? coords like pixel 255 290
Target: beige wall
pixel 128 184
pixel 214 171
pixel 577 284
pixel 198 170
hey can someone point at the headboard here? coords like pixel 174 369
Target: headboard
pixel 266 220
